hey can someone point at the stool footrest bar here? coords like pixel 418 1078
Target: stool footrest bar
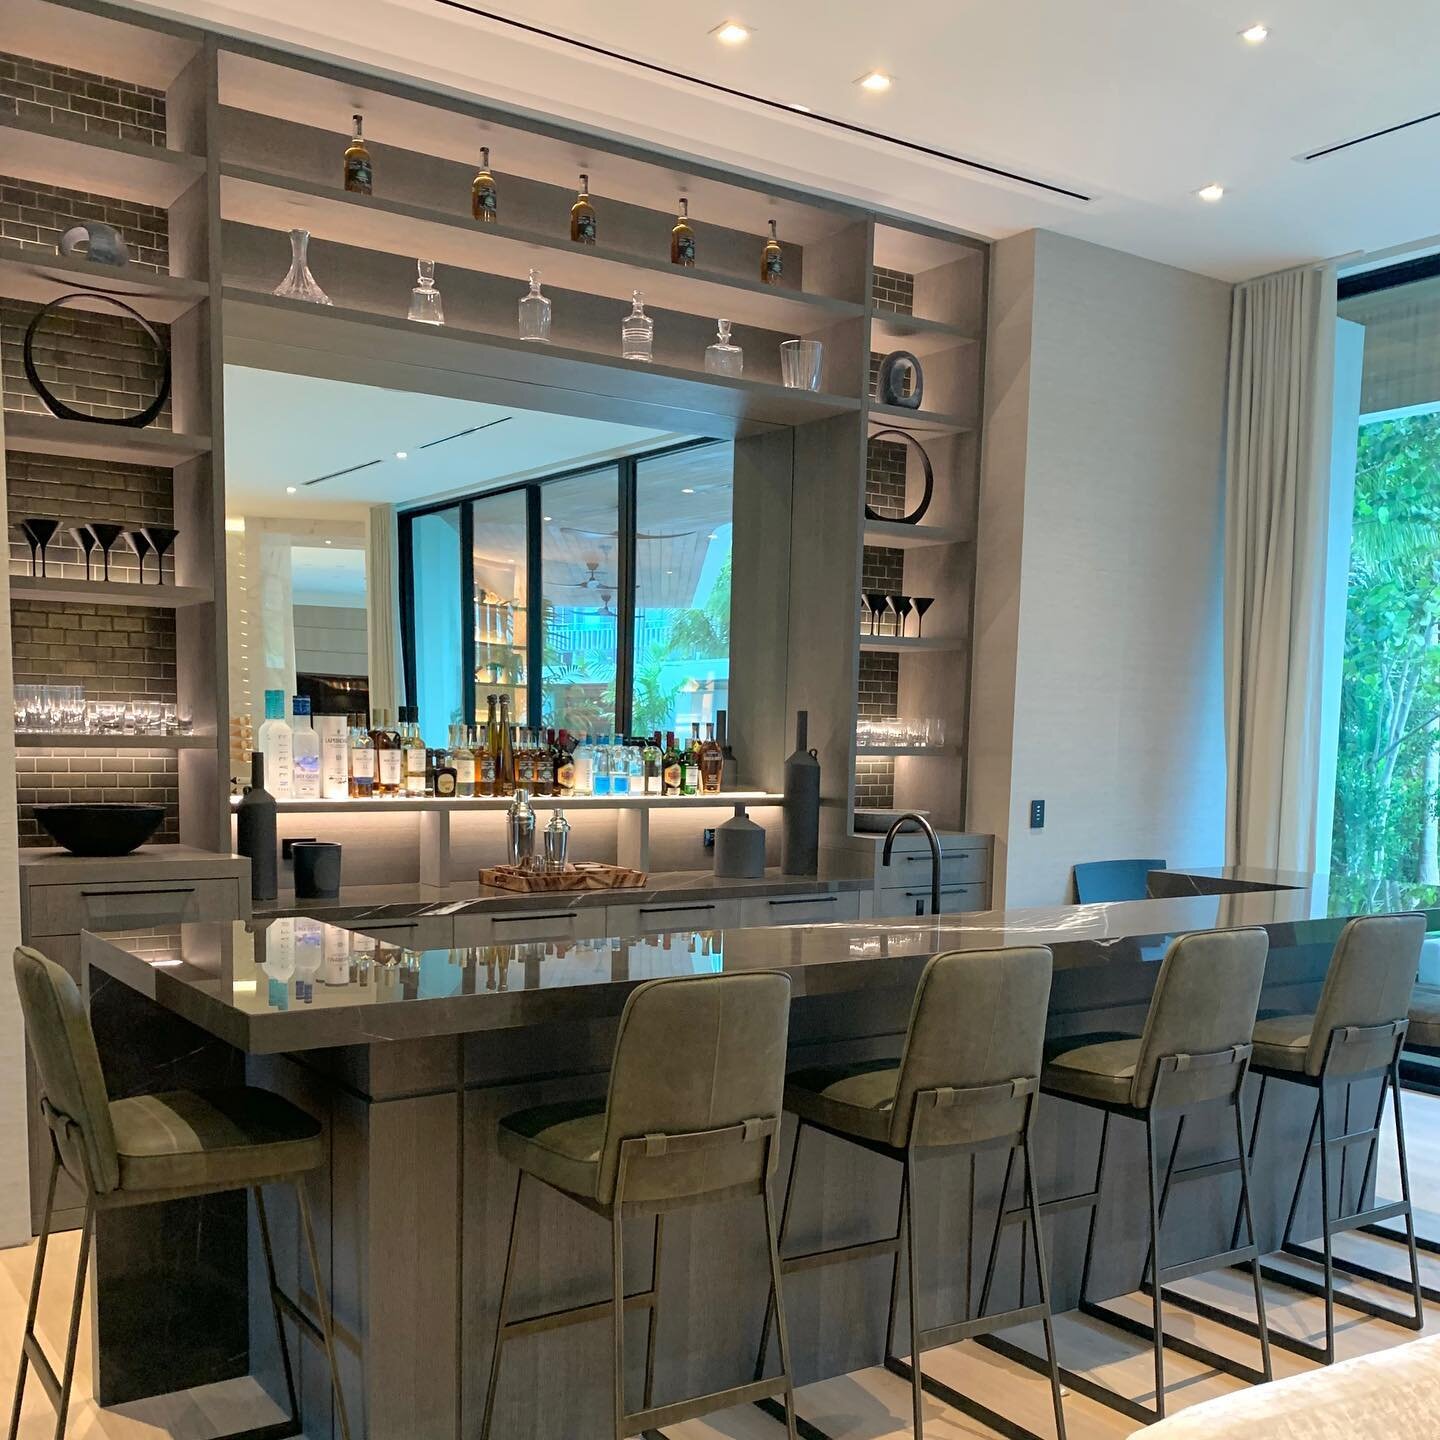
pixel 982 1325
pixel 1170 1273
pixel 575 1315
pixel 948 1395
pixel 1368 1217
pixel 1071 1379
pixel 680 1410
pixel 1208 1171
pixel 1020 1215
pixel 1190 1349
pixel 300 1316
pixel 43 1368
pixel 815 1259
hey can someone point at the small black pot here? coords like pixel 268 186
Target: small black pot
pixel 317 869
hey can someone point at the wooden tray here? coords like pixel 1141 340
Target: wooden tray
pixel 590 875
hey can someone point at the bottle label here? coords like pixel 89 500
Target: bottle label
pixel 565 775
pixel 545 772
pixel 465 769
pixel 445 782
pixel 525 771
pixel 685 249
pixel 390 771
pixel 487 769
pixel 486 199
pixel 358 174
pixel 774 265
pixel 673 777
pixel 414 760
pixel 585 229
pixel 362 762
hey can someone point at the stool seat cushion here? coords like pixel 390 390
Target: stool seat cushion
pixel 1425 1017
pixel 220 1138
pixel 1098 1066
pixel 559 1144
pixel 1282 1042
pixel 855 1099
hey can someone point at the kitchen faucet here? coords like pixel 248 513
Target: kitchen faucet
pixel 923 824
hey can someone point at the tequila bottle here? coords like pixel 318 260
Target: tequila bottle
pixel 772 259
pixel 359 172
pixel 723 357
pixel 682 238
pixel 535 312
pixel 637 331
pixel 582 215
pixel 425 303
pixel 484 198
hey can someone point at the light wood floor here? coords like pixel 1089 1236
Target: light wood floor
pixel 869 1405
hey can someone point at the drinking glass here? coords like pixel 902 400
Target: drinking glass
pixel 893 601
pixel 106 534
pixel 904 606
pixel 875 601
pixel 800 364
pixel 140 543
pixel 922 604
pixel 84 537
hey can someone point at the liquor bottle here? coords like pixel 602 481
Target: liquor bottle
pixel 362 760
pixel 619 766
pixel 652 758
pixel 730 769
pixel 505 753
pixel 305 747
pixel 334 755
pixel 535 313
pixel 564 756
pixel 389 772
pixel 524 761
pixel 462 757
pixel 600 766
pixel 637 331
pixel 486 752
pixel 692 761
pixel 772 259
pixel 634 753
pixel 582 215
pixel 359 172
pixel 724 357
pixel 415 762
pixel 584 761
pixel 712 762
pixel 276 741
pixel 544 762
pixel 682 238
pixel 446 782
pixel 426 306
pixel 673 772
pixel 484 198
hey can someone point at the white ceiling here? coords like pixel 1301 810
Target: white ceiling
pixel 283 430
pixel 1136 102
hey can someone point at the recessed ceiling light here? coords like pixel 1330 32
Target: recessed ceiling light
pixel 732 32
pixel 688 490
pixel 803 109
pixel 712 537
pixel 547 519
pixel 876 80
pixel 329 542
pixel 402 454
pixel 1256 34
pixel 289 489
pixel 1211 192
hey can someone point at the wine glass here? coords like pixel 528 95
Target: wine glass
pixel 161 537
pixel 875 601
pixel 922 604
pixel 894 603
pixel 140 542
pixel 904 606
pixel 106 534
pixel 39 532
pixel 84 537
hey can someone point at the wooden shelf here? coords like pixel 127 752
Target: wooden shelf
pixel 482 804
pixel 41 277
pixel 897 536
pixel 513 371
pixel 279 202
pixel 890 752
pixel 125 169
pixel 912 642
pixel 107 592
pixel 82 440
pixel 892 331
pixel 28 741
pixel 934 422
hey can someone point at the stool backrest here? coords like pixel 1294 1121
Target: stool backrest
pixel 976 1023
pixel 1205 1001
pixel 696 1054
pixel 72 1084
pixel 1367 987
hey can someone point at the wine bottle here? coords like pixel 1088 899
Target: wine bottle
pixel 673 774
pixel 712 762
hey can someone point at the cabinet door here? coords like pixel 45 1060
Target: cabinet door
pixel 586 922
pixel 800 909
pixel 915 900
pixel 631 920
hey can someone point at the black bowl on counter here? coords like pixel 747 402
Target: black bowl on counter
pixel 99 829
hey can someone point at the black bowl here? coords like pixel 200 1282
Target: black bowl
pixel 100 829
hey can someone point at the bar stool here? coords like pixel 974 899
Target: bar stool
pixel 691 1119
pixel 1356 1033
pixel 1193 1052
pixel 152 1148
pixel 966 1080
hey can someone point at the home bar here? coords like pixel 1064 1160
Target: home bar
pixel 701 771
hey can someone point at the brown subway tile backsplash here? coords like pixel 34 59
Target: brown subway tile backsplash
pixel 34 217
pixel 79 102
pixel 885 477
pixel 141 777
pixel 893 290
pixel 883 569
pixel 875 783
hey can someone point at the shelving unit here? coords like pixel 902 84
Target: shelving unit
pixel 45 435
pixel 108 592
pixel 894 535
pixel 924 643
pixel 27 741
pixel 26 275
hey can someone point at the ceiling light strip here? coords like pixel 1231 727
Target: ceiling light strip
pixel 846 125
pixel 1373 135
pixel 336 474
pixel 460 434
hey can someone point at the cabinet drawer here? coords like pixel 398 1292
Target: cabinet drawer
pixel 68 909
pixel 957 867
pixel 800 909
pixel 436 932
pixel 631 920
pixel 954 899
pixel 584 923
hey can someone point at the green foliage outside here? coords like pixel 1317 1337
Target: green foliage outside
pixel 1388 771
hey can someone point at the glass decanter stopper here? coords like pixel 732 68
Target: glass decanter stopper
pixel 637 331
pixel 723 358
pixel 535 312
pixel 425 303
pixel 300 284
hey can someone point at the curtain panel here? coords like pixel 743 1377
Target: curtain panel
pixel 1277 499
pixel 382 619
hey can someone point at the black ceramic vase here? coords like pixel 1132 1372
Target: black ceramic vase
pixel 800 835
pixel 895 368
pixel 255 832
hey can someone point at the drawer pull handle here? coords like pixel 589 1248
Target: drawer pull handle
pixel 122 894
pixel 925 894
pixel 808 900
pixel 673 909
pixel 530 919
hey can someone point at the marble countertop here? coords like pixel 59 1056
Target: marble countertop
pixel 300 983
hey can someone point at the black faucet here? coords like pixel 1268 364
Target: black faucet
pixel 923 824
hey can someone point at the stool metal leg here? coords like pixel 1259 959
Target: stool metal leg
pixel 777 1300
pixel 1047 1323
pixel 67 1376
pixel 654 1313
pixel 761 1357
pixel 894 1308
pixel 276 1305
pixel 322 1304
pixel 1327 1239
pixel 917 1392
pixel 41 1246
pixel 502 1313
pixel 1152 1179
pixel 617 1322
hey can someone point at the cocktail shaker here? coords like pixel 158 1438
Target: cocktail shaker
pixel 520 831
pixel 557 843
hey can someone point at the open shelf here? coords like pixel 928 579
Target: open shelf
pixel 895 535
pixel 655 395
pixel 41 277
pixel 278 202
pixel 126 169
pixel 934 422
pixel 84 440
pixel 500 803
pixel 890 752
pixel 912 642
pixel 107 592
pixel 892 331
pixel 29 741
pixel 143 49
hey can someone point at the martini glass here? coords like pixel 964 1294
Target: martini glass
pixel 84 537
pixel 106 534
pixel 39 532
pixel 875 602
pixel 922 604
pixel 904 606
pixel 161 537
pixel 894 603
pixel 142 547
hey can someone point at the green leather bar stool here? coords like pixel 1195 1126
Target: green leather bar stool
pixel 1192 1053
pixel 1356 1034
pixel 151 1148
pixel 966 1081
pixel 691 1119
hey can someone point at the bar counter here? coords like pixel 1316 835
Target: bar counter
pixel 410 1057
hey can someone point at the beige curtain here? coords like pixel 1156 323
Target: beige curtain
pixel 1277 488
pixel 382 619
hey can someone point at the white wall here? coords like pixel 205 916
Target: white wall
pixel 331 640
pixel 1098 621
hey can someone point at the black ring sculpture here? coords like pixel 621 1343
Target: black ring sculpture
pixel 59 408
pixel 918 513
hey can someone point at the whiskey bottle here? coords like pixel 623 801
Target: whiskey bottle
pixel 712 762
pixel 462 757
pixel 673 773
pixel 582 215
pixel 487 751
pixel 505 751
pixel 415 762
pixel 362 760
pixel 359 172
pixel 564 764
pixel 484 198
pixel 682 238
pixel 524 762
pixel 652 758
pixel 446 782
pixel 772 260
pixel 389 777
pixel 544 763
pixel 691 785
